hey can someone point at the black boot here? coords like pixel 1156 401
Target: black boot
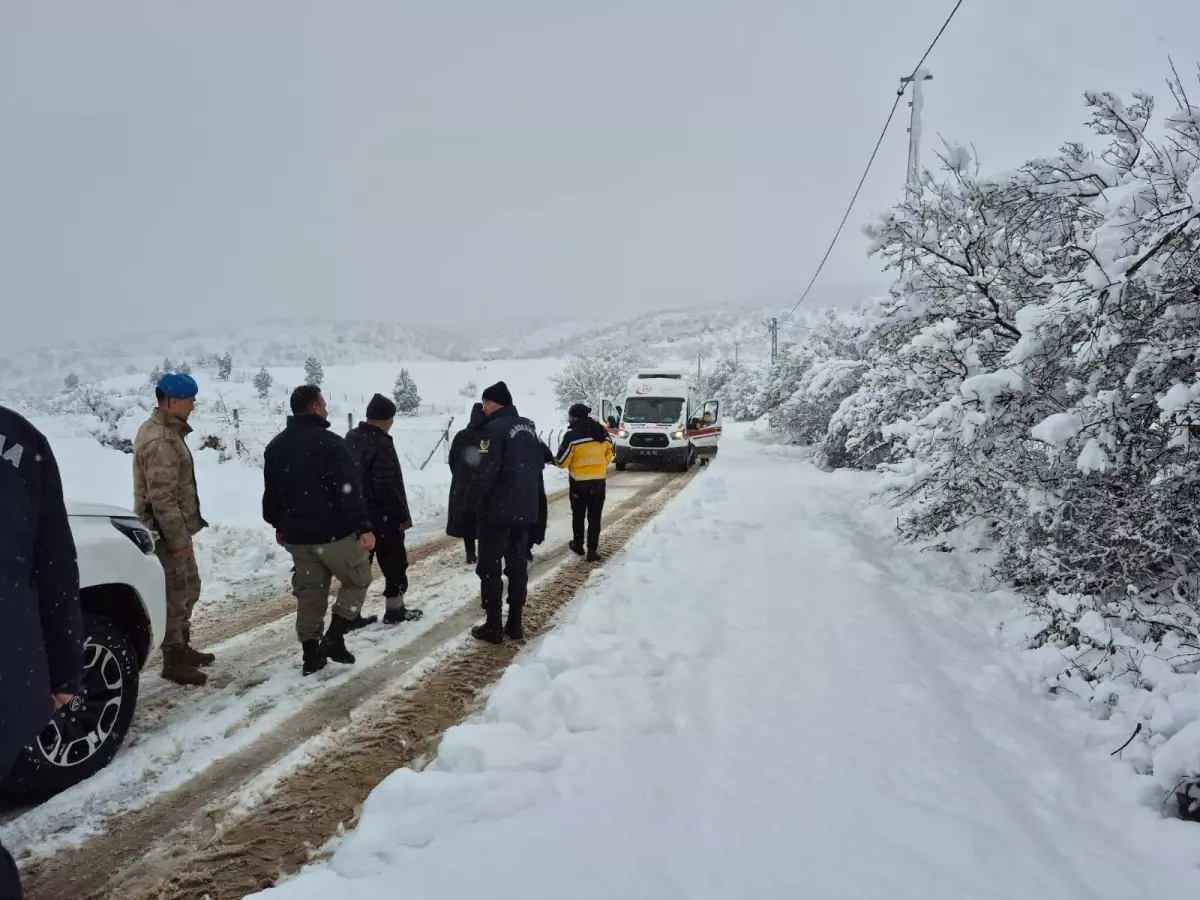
pixel 576 547
pixel 401 614
pixel 362 621
pixel 492 630
pixel 333 644
pixel 513 627
pixel 472 559
pixel 314 659
pixel 593 556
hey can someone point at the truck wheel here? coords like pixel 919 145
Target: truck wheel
pixel 86 734
pixel 621 466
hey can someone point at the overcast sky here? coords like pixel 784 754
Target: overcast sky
pixel 166 162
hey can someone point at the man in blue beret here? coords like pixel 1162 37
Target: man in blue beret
pixel 166 500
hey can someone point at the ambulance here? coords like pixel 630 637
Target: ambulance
pixel 662 422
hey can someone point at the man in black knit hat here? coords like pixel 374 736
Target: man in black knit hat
pixel 504 495
pixel 374 453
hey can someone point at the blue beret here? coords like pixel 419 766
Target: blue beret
pixel 180 387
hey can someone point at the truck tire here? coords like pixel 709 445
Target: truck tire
pixel 86 734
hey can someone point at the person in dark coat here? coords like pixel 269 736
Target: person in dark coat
pixel 537 534
pixel 41 628
pixel 374 452
pixel 313 499
pixel 464 462
pixel 504 495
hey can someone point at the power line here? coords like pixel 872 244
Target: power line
pixel 870 162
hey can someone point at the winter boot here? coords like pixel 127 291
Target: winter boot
pixel 529 556
pixel 178 669
pixel 576 547
pixel 401 614
pixel 492 630
pixel 333 645
pixel 513 627
pixel 593 556
pixel 362 621
pixel 194 656
pixel 472 559
pixel 314 659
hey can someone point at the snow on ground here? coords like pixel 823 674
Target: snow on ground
pixel 767 698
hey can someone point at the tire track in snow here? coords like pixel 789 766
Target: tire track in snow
pixel 181 839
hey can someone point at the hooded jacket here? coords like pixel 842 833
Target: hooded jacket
pixel 464 462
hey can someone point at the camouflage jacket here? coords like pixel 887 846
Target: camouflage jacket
pixel 164 481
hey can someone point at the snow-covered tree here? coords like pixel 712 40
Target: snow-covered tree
pixel 591 376
pixel 263 382
pixel 404 392
pixel 313 372
pixel 71 382
pixel 183 368
pixel 225 366
pixel 736 385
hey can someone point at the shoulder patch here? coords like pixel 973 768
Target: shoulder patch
pixel 484 445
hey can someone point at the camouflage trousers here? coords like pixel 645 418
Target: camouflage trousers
pixel 183 590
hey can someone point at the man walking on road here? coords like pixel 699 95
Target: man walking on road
pixel 504 496
pixel 586 452
pixel 374 453
pixel 166 500
pixel 41 633
pixel 313 500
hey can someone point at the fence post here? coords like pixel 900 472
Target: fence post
pixel 238 447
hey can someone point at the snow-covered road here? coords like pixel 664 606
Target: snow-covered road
pixel 766 698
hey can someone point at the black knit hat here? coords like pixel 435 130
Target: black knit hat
pixel 381 408
pixel 579 411
pixel 498 393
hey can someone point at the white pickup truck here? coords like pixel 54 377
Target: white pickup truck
pixel 123 596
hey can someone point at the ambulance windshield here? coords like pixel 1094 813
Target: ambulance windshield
pixel 653 410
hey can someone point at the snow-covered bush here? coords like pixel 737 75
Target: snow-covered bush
pixel 470 389
pixel 404 392
pixel 591 376
pixel 225 366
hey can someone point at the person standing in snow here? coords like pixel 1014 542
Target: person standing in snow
pixel 586 451
pixel 504 496
pixel 374 453
pixel 464 463
pixel 313 500
pixel 537 534
pixel 166 500
pixel 41 629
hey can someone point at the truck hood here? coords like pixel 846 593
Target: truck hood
pixel 79 508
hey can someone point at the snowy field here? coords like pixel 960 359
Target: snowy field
pixel 768 698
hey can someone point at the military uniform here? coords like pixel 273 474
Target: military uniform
pixel 166 500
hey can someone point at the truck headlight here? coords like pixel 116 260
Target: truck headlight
pixel 679 434
pixel 133 529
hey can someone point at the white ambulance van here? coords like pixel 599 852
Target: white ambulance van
pixel 662 422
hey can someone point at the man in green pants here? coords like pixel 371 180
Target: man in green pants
pixel 313 500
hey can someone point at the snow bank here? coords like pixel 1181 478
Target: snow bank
pixel 766 698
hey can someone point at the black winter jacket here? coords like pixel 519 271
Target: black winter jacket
pixel 507 486
pixel 537 534
pixel 464 463
pixel 311 493
pixel 374 453
pixel 41 631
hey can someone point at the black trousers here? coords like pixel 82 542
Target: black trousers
pixel 502 552
pixel 393 561
pixel 587 501
pixel 10 878
pixel 469 544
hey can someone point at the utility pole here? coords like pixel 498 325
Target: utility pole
pixel 699 382
pixel 912 178
pixel 773 328
pixel 735 359
pixel 916 104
